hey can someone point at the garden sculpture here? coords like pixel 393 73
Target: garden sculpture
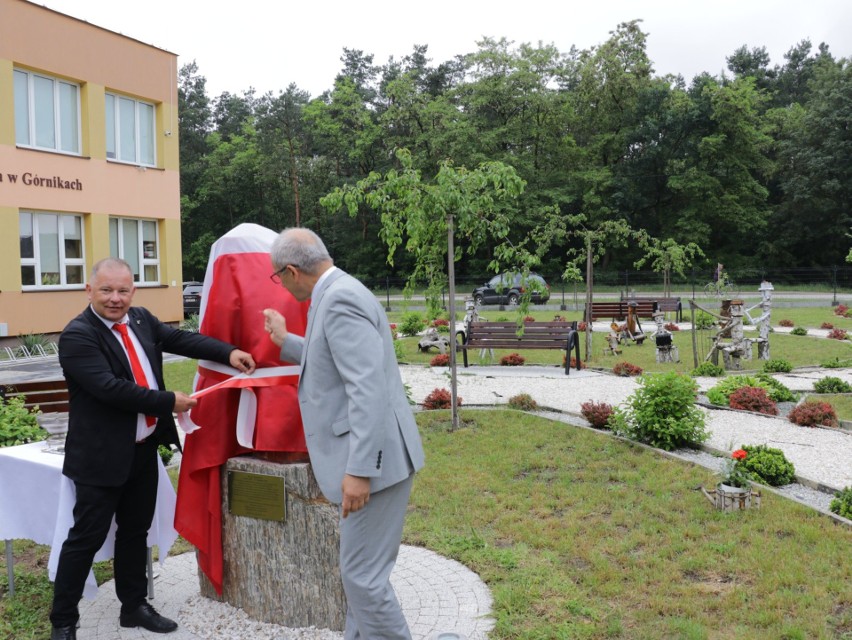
pixel 666 349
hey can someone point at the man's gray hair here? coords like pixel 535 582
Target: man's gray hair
pixel 110 262
pixel 301 248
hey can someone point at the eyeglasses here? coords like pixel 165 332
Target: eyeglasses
pixel 276 277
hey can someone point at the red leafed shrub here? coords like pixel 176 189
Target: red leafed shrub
pixel 440 360
pixel 440 399
pixel 671 326
pixel 809 414
pixel 826 325
pixel 837 334
pixel 560 319
pixel 626 369
pixel 753 399
pixel 597 413
pixel 581 326
pixel 440 322
pixel 512 360
pixel 840 310
pixel 785 323
pixel 528 319
pixel 573 362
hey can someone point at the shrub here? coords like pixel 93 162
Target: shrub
pixel 811 413
pixel 18 425
pixel 671 326
pixel 398 350
pixel 412 324
pixel 753 399
pixel 826 325
pixel 528 319
pixel 704 320
pixel 191 323
pixel 708 369
pixel 662 412
pixel 166 454
pixel 523 402
pixel 837 363
pixel 799 331
pixel 768 466
pixel 440 360
pixel 840 310
pixel 842 503
pixel 626 369
pixel 573 364
pixel 440 399
pixel 582 326
pixel 442 325
pixel 785 323
pixel 720 393
pixel 597 413
pixel 830 384
pixel 512 360
pixel 837 334
pixel 777 365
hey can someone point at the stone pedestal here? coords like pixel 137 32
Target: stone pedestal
pixel 285 573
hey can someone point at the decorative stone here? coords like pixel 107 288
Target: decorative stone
pixel 288 572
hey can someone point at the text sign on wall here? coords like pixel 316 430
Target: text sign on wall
pixel 29 179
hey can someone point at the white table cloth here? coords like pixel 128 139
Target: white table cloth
pixel 37 502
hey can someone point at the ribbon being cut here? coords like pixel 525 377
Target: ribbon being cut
pixel 237 414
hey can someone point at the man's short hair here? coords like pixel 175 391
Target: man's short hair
pixel 301 248
pixel 109 262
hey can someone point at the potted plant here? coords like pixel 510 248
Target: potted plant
pixel 733 492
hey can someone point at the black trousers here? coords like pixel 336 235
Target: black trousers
pixel 133 505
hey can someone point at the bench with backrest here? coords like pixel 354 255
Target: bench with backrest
pixel 560 335
pixel 617 311
pixel 50 396
pixel 666 305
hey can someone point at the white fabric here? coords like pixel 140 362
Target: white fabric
pixel 37 503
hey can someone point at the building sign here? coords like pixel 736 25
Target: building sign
pixel 34 180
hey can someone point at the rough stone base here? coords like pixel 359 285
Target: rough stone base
pixel 286 573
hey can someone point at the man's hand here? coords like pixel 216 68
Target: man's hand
pixel 356 493
pixel 183 402
pixel 275 325
pixel 243 361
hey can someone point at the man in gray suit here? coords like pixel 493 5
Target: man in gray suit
pixel 361 435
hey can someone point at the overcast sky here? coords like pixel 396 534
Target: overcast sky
pixel 268 44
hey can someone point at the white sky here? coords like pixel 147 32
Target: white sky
pixel 267 44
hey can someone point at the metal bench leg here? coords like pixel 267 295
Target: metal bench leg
pixel 150 574
pixel 10 567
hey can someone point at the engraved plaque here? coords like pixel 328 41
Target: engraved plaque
pixel 255 495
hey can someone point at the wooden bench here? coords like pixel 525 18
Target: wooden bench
pixel 50 396
pixel 617 311
pixel 537 335
pixel 666 305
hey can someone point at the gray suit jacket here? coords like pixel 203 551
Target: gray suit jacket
pixel 355 413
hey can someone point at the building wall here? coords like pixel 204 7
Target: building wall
pixel 36 39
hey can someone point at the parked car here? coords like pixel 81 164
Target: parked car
pixel 191 298
pixel 507 288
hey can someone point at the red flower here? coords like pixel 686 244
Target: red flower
pixel 739 454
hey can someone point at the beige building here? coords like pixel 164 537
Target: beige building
pixel 88 167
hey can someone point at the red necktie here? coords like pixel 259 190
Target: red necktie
pixel 135 365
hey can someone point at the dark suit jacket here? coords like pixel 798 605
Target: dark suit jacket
pixel 104 398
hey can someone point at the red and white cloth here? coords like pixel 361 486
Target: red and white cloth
pixel 259 412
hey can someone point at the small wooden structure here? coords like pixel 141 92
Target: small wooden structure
pixel 727 498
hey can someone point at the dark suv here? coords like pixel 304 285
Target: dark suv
pixel 507 288
pixel 191 298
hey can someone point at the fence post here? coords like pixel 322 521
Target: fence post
pixel 387 293
pixel 834 299
pixel 562 306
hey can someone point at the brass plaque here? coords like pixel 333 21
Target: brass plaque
pixel 256 495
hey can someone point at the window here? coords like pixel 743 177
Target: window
pixel 51 250
pixel 137 243
pixel 47 112
pixel 130 128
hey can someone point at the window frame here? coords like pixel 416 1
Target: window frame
pixel 64 262
pixel 58 115
pixel 116 135
pixel 121 252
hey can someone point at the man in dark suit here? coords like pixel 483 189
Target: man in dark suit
pixel 119 413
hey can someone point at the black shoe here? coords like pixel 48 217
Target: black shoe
pixel 145 616
pixel 64 633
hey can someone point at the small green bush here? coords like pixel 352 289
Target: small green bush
pixel 662 412
pixel 830 384
pixel 799 331
pixel 768 466
pixel 777 365
pixel 707 369
pixel 842 503
pixel 837 363
pixel 18 425
pixel 191 323
pixel 166 454
pixel 523 402
pixel 411 325
pixel 704 320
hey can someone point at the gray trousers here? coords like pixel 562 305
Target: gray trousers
pixel 369 545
